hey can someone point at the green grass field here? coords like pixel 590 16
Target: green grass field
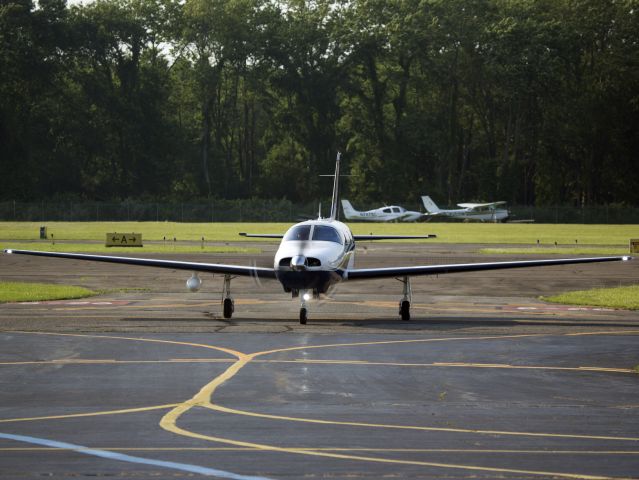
pixel 619 297
pixel 500 233
pixel 33 292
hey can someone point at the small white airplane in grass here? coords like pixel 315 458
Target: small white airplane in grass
pixel 392 213
pixel 482 212
pixel 313 256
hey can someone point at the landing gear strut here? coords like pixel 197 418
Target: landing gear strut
pixel 303 310
pixel 228 305
pixel 404 303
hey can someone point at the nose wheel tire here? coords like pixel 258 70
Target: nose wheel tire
pixel 228 308
pixel 303 316
pixel 404 310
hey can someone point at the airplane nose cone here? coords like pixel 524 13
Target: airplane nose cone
pixel 298 263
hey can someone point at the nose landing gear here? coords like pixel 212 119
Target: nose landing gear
pixel 304 297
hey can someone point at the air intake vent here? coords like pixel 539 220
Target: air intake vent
pixel 310 262
pixel 285 262
pixel 313 262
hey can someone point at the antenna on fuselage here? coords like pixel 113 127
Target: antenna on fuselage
pixel 335 200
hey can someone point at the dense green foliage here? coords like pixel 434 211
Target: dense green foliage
pixel 529 101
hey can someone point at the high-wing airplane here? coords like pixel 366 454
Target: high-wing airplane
pixel 313 256
pixel 483 212
pixel 392 213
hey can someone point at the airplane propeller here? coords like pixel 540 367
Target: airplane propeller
pixel 254 276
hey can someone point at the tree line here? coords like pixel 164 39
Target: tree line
pixel 531 101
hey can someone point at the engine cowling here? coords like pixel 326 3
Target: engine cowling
pixel 194 283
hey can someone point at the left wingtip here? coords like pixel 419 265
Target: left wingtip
pixel 8 251
pixel 625 258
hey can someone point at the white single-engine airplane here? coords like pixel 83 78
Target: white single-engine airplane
pixel 392 213
pixel 483 212
pixel 312 256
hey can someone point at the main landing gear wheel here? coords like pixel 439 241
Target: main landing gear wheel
pixel 404 303
pixel 228 308
pixel 303 316
pixel 404 310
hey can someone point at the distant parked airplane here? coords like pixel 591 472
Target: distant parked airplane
pixel 483 212
pixel 382 214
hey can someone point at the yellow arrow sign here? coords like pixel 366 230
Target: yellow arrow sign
pixel 123 240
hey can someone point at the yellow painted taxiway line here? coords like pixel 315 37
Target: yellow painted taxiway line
pixel 220 408
pixel 88 361
pixel 135 339
pixel 161 306
pixel 168 423
pixel 619 332
pixel 204 399
pixel 451 364
pixel 91 414
pixel 338 449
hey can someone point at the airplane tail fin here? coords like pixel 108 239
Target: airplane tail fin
pixel 335 200
pixel 349 211
pixel 429 205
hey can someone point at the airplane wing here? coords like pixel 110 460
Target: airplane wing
pixel 477 205
pixel 246 271
pixel 392 237
pixel 370 273
pixel 356 237
pixel 261 235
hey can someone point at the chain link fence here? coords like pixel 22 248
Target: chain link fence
pixel 594 215
pixel 256 210
pixel 259 210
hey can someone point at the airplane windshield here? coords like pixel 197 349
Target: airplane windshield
pixel 301 232
pixel 327 234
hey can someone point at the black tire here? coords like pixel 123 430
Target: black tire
pixel 303 316
pixel 404 310
pixel 228 308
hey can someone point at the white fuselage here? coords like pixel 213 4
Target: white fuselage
pixel 313 255
pixel 393 213
pixel 481 215
pixel 482 212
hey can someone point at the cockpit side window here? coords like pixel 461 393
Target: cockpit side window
pixel 326 233
pixel 301 232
